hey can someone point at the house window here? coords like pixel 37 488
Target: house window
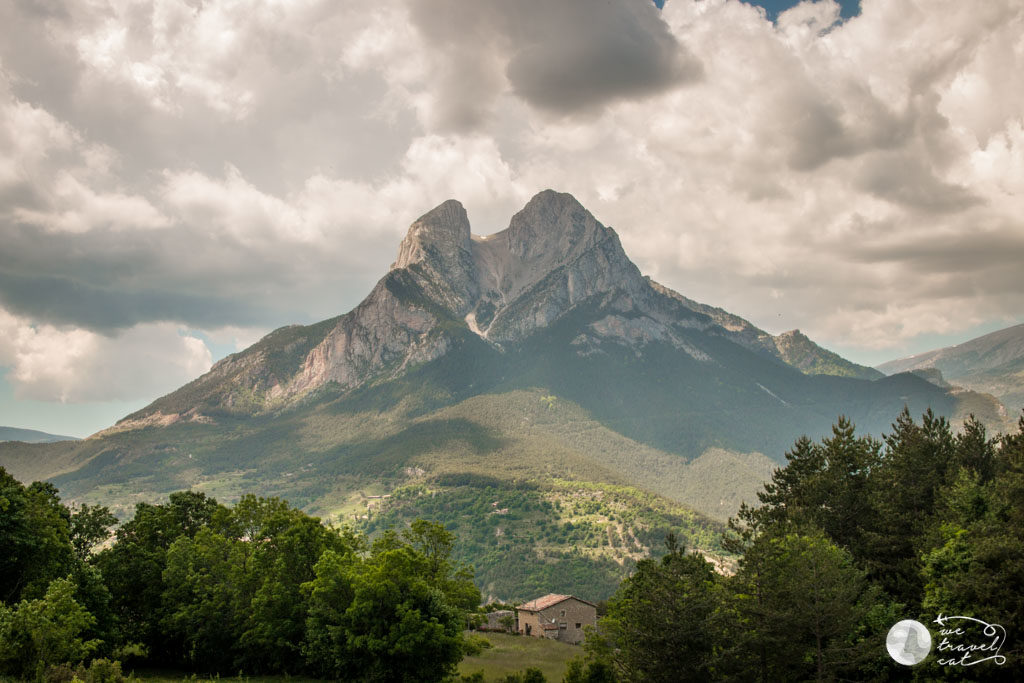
pixel 579 625
pixel 562 614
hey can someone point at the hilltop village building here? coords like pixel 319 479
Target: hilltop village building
pixel 558 617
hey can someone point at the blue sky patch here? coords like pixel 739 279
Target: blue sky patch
pixel 849 8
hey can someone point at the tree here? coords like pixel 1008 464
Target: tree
pixel 35 634
pixel 801 611
pixel 977 564
pixel 436 543
pixel 381 617
pixel 580 670
pixel 975 451
pixel 825 485
pixel 200 607
pixel 400 627
pixel 35 536
pixel 662 624
pixel 90 526
pixel 529 675
pixel 330 595
pixel 285 550
pixel 133 567
pixel 94 596
pixel 919 460
pixel 233 594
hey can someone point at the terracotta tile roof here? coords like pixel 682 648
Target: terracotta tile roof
pixel 547 601
pixel 549 627
pixel 543 603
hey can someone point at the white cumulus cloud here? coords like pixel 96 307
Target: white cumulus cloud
pixel 74 365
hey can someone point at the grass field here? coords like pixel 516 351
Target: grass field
pixel 507 654
pixel 512 654
pixel 170 676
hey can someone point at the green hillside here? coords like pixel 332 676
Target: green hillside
pixel 577 503
pixel 656 418
pixel 566 537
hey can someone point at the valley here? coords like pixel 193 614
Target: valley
pixel 535 370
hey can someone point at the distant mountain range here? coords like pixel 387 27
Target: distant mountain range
pixel 534 370
pixel 31 436
pixel 990 364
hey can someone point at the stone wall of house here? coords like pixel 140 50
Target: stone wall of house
pixel 530 624
pixel 570 615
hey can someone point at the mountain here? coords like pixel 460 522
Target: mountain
pixel 554 259
pixel 31 436
pixel 534 371
pixel 990 364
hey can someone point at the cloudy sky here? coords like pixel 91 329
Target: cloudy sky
pixel 178 177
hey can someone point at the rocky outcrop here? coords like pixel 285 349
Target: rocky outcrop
pixel 796 349
pixel 437 253
pixel 382 331
pixel 553 255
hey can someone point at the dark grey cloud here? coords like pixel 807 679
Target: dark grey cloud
pixel 368 100
pixel 305 119
pixel 106 281
pixel 561 56
pixel 908 180
pixel 62 301
pixel 820 130
pixel 970 251
pixel 583 54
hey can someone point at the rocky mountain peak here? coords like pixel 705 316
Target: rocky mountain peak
pixel 796 349
pixel 442 233
pixel 553 226
pixel 497 279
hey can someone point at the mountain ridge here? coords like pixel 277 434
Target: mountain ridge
pixel 992 363
pixel 31 435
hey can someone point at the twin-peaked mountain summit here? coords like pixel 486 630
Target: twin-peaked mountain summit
pixel 553 260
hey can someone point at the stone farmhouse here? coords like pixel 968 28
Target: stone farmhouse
pixel 559 617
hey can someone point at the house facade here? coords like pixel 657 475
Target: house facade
pixel 558 617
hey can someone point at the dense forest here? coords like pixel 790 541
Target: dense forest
pixel 851 537
pixel 259 587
